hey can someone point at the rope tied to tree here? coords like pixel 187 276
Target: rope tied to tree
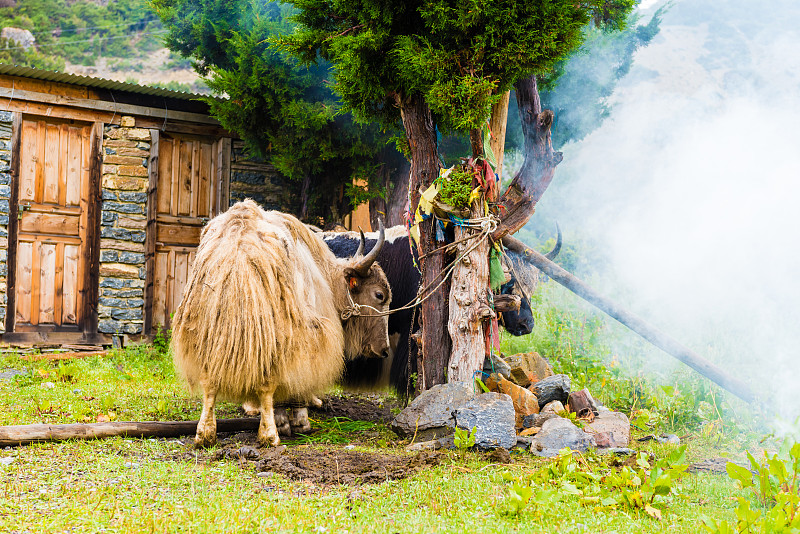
pixel 487 225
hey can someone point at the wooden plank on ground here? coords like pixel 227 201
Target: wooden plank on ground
pixel 26 434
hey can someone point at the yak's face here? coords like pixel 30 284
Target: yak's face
pixel 517 323
pixel 367 334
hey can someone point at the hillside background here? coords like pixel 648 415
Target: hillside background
pixel 114 39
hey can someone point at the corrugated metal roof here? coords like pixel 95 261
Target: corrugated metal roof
pixel 95 83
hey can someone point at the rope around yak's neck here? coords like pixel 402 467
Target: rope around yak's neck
pixel 487 226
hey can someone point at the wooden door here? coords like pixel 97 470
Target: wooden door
pixel 188 186
pixel 53 233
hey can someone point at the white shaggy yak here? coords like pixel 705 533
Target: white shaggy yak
pixel 267 314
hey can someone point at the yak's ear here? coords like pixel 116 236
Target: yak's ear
pixel 353 278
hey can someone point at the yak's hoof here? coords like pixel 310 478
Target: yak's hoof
pixel 204 440
pixel 281 417
pixel 315 401
pixel 269 438
pixel 250 409
pixel 300 422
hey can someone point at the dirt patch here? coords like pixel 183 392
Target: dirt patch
pixel 322 465
pixel 373 408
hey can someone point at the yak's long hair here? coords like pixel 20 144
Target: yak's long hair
pixel 259 308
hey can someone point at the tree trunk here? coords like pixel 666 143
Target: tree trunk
pixel 304 193
pixel 469 306
pixel 536 173
pixel 392 208
pixel 435 342
pixel 497 125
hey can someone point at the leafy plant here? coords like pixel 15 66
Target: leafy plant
pixel 455 187
pixel 643 486
pixel 465 439
pixel 773 502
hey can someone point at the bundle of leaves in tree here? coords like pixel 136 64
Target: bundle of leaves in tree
pixel 455 186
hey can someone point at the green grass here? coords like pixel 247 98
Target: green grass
pixel 134 486
pixel 148 485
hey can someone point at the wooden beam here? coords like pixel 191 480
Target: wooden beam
pixel 658 338
pixel 56 337
pixel 224 174
pixel 150 234
pixel 13 204
pixel 112 107
pixel 94 203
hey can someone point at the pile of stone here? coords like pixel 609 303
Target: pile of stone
pixel 527 406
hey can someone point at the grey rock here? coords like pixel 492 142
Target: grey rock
pixel 669 438
pixel 430 415
pixel 558 433
pixel 537 419
pixel 552 388
pixel 20 36
pixel 524 442
pixel 612 429
pixel 496 364
pixel 492 414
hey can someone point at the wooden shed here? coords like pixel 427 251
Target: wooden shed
pixel 104 189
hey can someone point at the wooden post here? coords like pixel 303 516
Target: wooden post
pixel 469 306
pixel 497 125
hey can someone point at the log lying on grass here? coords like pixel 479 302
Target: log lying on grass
pixel 658 338
pixel 25 434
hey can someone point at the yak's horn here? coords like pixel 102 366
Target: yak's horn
pixel 361 245
pixel 556 249
pixel 362 267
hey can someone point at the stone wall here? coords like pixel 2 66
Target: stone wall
pixel 5 195
pixel 258 180
pixel 126 150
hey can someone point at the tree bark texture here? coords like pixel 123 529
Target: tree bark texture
pixel 497 126
pixel 519 200
pixel 392 208
pixel 25 434
pixel 469 305
pixel 435 342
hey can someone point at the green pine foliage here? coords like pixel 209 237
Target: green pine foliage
pixel 459 55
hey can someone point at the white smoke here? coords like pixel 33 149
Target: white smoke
pixel 692 186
